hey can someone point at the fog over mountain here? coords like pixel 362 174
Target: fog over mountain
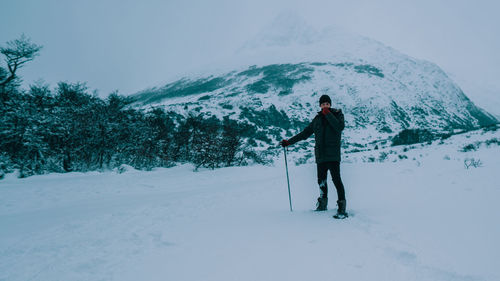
pixel 128 46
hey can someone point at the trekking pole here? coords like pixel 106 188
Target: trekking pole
pixel 288 181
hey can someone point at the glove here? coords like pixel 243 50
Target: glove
pixel 325 111
pixel 284 143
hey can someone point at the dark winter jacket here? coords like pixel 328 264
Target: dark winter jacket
pixel 327 131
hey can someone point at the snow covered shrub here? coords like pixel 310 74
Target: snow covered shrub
pixel 475 146
pixel 446 157
pixel 402 156
pixel 124 168
pixel 472 162
pixel 383 156
pixel 492 142
pixel 470 147
pixel 249 156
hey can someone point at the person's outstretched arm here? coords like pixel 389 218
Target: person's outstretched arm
pixel 307 132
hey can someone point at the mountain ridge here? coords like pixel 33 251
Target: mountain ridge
pixel 380 90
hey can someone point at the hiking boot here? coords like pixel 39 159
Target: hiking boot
pixel 322 204
pixel 341 213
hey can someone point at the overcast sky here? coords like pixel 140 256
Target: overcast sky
pixel 132 45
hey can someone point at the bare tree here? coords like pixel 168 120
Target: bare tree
pixel 17 53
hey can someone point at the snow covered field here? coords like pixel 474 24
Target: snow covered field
pixel 423 219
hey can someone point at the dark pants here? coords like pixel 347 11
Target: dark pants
pixel 334 168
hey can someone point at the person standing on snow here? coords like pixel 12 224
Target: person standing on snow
pixel 327 127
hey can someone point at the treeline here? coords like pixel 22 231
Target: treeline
pixel 68 129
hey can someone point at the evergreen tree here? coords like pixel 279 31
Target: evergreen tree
pixel 231 141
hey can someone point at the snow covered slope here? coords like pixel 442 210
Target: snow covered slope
pixel 289 65
pixel 422 216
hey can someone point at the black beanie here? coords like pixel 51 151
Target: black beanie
pixel 325 98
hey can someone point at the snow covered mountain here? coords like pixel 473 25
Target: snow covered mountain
pixel 275 80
